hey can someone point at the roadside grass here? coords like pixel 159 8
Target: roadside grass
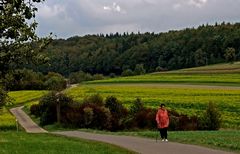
pixel 190 100
pixel 228 140
pixel 7 120
pixel 22 143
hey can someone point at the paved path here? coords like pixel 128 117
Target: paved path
pixel 143 145
pixel 25 121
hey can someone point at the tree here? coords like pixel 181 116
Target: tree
pixel 211 119
pixel 230 55
pixel 200 57
pixel 139 69
pixel 19 43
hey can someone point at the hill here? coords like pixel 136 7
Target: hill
pixel 115 53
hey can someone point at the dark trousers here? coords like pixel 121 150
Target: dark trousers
pixel 163 132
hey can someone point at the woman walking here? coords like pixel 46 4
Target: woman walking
pixel 162 122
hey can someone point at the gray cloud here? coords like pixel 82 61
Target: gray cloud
pixel 80 17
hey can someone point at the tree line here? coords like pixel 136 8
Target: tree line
pixel 121 53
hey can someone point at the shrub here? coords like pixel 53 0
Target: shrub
pixel 94 99
pixel 35 110
pixel 101 116
pixel 115 107
pixel 211 119
pixel 48 105
pixel 137 106
pixel 24 79
pixel 88 116
pixel 79 77
pixel 3 96
pixel 181 121
pixel 139 69
pixel 127 72
pixel 112 75
pixel 56 83
pixel 98 77
pixel 118 112
pixel 159 69
pixel 73 116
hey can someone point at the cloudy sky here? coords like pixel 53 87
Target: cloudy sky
pixel 66 18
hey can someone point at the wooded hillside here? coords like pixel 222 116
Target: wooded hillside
pixel 114 53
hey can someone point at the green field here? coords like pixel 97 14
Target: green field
pixel 26 96
pixel 22 143
pixel 205 79
pixel 223 74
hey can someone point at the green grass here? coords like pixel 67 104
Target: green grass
pixel 7 120
pixel 26 96
pixel 22 143
pixel 217 68
pixel 220 74
pixel 189 100
pixel 178 78
pixel 228 140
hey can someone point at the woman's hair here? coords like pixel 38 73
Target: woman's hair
pixel 162 105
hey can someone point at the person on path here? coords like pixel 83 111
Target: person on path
pixel 162 122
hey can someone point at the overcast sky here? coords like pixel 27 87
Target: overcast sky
pixel 66 18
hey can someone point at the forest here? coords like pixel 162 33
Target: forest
pixel 116 53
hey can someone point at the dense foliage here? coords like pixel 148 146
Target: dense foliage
pixel 30 80
pixel 19 43
pixel 140 53
pixel 111 115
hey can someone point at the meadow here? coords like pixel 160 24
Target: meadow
pixel 220 74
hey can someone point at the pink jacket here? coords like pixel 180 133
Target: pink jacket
pixel 162 118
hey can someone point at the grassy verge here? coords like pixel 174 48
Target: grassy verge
pixel 7 120
pixel 21 143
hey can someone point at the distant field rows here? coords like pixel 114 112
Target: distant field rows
pixel 185 99
pixel 209 79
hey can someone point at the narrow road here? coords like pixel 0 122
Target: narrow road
pixel 25 121
pixel 143 145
